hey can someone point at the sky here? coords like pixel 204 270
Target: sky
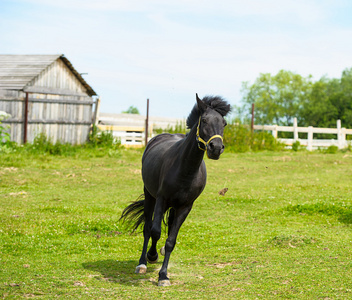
pixel 168 51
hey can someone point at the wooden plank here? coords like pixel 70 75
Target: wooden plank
pixel 120 128
pixel 62 101
pixel 61 122
pixel 96 112
pixel 24 65
pixel 29 57
pixel 40 121
pixel 19 71
pixel 58 101
pixel 299 129
pixel 10 85
pixel 53 91
pixel 11 78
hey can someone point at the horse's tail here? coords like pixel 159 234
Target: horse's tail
pixel 134 213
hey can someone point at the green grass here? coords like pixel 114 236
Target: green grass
pixel 282 231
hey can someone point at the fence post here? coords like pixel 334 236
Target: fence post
pixel 343 138
pixel 341 135
pixel 146 131
pixel 274 131
pixel 310 138
pixel 252 120
pixel 25 119
pixel 96 112
pixel 295 130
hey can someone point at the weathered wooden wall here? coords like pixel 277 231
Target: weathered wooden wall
pixel 66 119
pixel 58 76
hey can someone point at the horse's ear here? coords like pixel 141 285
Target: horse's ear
pixel 201 105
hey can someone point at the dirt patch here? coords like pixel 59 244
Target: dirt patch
pixel 22 193
pixel 225 264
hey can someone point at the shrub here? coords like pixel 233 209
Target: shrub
pixel 239 138
pixel 348 148
pixel 4 135
pixel 180 127
pixel 44 145
pixel 103 144
pixel 296 146
pixel 102 138
pixel 332 149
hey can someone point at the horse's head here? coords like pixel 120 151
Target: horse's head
pixel 210 128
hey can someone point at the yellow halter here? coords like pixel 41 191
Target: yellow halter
pixel 199 139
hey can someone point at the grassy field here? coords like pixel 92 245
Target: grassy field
pixel 282 231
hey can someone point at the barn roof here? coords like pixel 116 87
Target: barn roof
pixel 17 71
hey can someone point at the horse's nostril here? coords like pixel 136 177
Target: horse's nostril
pixel 222 149
pixel 211 145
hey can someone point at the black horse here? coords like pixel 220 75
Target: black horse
pixel 174 175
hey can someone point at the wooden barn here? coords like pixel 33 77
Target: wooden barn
pixel 45 94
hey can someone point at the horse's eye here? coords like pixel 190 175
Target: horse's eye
pixel 204 121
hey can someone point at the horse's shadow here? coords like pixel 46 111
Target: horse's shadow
pixel 121 272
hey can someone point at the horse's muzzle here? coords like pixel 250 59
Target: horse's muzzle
pixel 215 149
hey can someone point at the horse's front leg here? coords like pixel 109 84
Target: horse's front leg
pixel 179 218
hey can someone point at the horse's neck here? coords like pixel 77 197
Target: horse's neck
pixel 191 156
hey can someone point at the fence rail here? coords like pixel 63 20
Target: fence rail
pixel 311 143
pixel 128 135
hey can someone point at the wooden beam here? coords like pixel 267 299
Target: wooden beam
pixel 52 91
pixel 61 122
pixel 11 85
pixel 25 120
pixel 96 112
pixel 62 101
pixel 59 101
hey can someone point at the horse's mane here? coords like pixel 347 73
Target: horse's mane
pixel 214 102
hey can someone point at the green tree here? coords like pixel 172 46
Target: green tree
pixel 278 99
pixel 341 99
pixel 329 100
pixel 317 109
pixel 132 110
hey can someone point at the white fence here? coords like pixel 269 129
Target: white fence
pixel 129 128
pixel 311 143
pixel 128 136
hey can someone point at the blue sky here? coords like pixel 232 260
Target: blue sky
pixel 169 50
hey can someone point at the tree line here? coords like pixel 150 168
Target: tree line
pixel 280 98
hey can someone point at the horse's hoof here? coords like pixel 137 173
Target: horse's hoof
pixel 162 251
pixel 141 269
pixel 152 260
pixel 165 282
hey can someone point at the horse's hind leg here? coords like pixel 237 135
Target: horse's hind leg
pixel 179 218
pixel 159 210
pixel 169 225
pixel 148 213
